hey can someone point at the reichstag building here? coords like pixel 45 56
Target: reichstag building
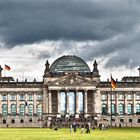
pixel 70 91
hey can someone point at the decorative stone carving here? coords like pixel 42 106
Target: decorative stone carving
pixel 73 80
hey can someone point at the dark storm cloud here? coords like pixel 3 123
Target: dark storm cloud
pixel 112 25
pixel 23 22
pixel 123 50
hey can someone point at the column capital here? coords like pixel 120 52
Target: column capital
pixel 66 90
pixel 77 90
pixel 85 90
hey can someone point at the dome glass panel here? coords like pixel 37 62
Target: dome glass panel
pixel 69 63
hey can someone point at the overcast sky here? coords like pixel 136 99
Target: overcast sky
pixel 33 31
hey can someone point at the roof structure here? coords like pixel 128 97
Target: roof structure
pixel 69 63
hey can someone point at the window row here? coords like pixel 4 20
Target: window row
pixel 121 97
pixel 13 111
pixel 21 121
pixel 121 109
pixel 21 97
pixel 129 120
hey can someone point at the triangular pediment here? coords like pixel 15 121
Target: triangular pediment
pixel 72 80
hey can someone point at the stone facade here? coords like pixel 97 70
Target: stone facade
pixel 68 90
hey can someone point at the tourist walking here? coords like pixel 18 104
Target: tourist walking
pixel 88 127
pixel 70 128
pixel 74 126
pixel 82 128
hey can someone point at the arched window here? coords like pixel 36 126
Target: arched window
pixel 129 109
pixel 113 109
pixel 121 109
pixel 22 110
pixel 104 109
pixel 30 110
pixel 39 109
pixel 4 110
pixel 137 108
pixel 13 109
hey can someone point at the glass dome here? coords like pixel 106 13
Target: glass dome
pixel 69 63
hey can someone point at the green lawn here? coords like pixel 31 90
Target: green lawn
pixel 64 134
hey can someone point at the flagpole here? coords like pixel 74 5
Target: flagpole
pixel 111 101
pixel 113 86
pixel 4 75
pixel 111 107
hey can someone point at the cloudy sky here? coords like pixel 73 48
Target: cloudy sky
pixel 33 31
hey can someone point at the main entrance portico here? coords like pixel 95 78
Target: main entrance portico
pixel 72 102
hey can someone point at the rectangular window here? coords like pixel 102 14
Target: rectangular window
pixel 113 120
pixel 130 120
pixel 4 121
pixel 13 97
pixel 12 121
pixel 121 120
pixel 113 97
pixel 129 97
pixel 138 97
pixel 21 121
pixel 104 97
pixel 39 97
pixel 21 97
pixel 30 97
pixel 4 97
pixel 138 120
pixel 121 97
pixel 30 120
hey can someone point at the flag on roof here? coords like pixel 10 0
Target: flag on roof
pixel 7 67
pixel 113 83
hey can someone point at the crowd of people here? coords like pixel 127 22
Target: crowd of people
pixel 85 127
pixel 103 126
pixel 86 124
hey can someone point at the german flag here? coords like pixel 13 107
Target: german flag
pixel 7 67
pixel 113 83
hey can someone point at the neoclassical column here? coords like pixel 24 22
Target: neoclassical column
pixel 26 107
pixel 85 102
pixel 58 101
pixel 125 102
pixel 50 102
pixel 134 103
pixel 17 102
pixel 108 103
pixel 93 102
pixel 45 109
pixel 8 103
pixel 98 109
pixel 67 102
pixel 77 102
pixel 116 103
pixel 35 104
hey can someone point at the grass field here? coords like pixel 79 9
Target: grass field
pixel 64 134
